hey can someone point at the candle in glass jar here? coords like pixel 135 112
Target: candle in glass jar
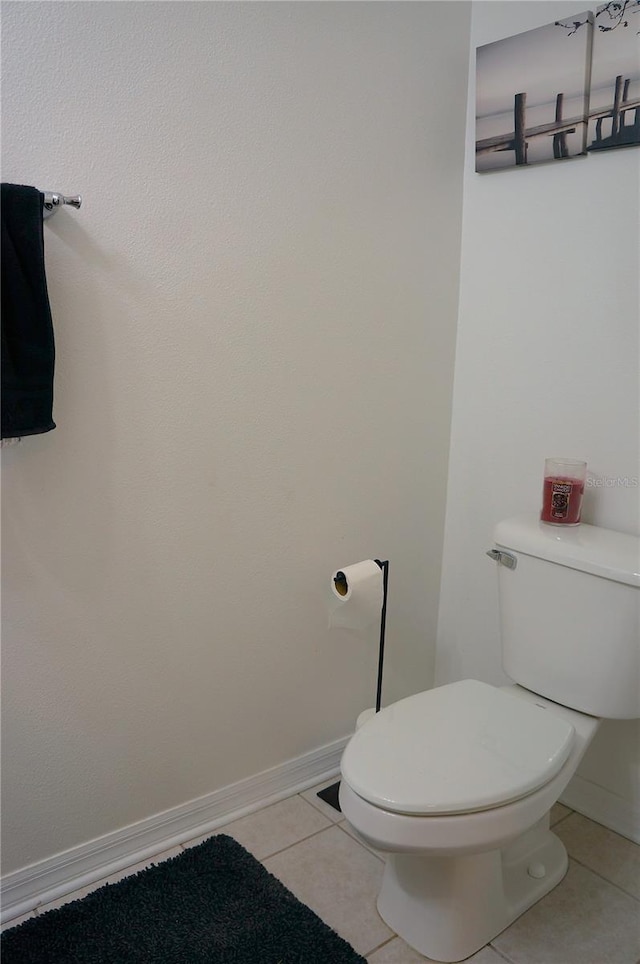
pixel 562 491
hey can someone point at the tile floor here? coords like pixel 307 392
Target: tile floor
pixel 592 917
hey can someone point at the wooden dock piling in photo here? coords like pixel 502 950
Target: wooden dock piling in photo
pixel 621 133
pixel 520 128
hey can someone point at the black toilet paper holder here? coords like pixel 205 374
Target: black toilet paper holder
pixel 340 581
pixel 384 565
pixel 330 794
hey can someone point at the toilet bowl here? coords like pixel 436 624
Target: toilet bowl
pixel 462 866
pixel 455 784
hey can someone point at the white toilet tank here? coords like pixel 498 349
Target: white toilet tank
pixel 570 614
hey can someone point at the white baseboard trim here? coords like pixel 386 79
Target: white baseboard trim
pixel 603 806
pixel 23 890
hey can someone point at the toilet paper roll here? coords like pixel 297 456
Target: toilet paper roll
pixel 356 596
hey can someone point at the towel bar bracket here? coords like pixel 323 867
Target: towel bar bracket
pixel 53 200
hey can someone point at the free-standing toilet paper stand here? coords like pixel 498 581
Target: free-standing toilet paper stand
pixel 330 794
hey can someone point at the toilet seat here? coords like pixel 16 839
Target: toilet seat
pixel 458 748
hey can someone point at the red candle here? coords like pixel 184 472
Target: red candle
pixel 562 491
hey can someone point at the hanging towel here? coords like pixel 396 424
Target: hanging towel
pixel 27 329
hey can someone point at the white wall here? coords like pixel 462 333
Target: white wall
pixel 546 364
pixel 255 316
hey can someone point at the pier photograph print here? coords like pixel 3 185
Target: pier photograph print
pixel 614 104
pixel 532 96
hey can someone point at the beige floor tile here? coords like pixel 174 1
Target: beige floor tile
pixel 604 851
pixel 346 826
pixel 339 880
pixel 111 879
pixel 584 920
pixel 397 952
pixel 278 826
pixel 559 812
pixel 14 922
pixel 486 955
pixel 74 895
pixel 311 796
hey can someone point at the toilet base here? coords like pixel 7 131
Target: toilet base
pixel 449 907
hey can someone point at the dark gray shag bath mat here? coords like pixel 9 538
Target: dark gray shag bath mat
pixel 212 904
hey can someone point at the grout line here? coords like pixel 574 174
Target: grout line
pixel 13 921
pixel 384 944
pixel 224 827
pixel 360 844
pixel 605 879
pixel 321 809
pixel 275 852
pixel 103 880
pixel 315 833
pixel 600 826
pixel 552 826
pixel 505 957
pixel 73 895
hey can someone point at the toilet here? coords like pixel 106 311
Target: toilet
pixel 455 784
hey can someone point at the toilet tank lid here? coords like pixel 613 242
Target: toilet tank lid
pixel 602 552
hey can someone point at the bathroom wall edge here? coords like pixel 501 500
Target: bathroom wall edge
pixel 603 806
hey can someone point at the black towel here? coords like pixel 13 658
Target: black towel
pixel 27 329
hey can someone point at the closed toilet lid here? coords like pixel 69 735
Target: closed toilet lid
pixel 455 749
